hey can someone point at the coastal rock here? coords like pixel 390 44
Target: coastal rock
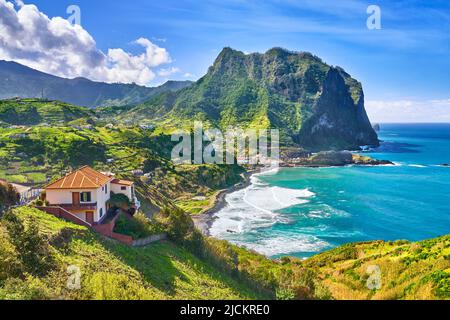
pixel 368 161
pixel 337 158
pixel 377 127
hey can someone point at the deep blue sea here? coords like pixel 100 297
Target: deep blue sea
pixel 303 211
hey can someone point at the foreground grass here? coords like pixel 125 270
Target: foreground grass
pixel 411 271
pixel 194 267
pixel 113 271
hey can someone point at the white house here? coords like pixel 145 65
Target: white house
pixel 85 193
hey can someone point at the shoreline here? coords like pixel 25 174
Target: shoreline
pixel 204 221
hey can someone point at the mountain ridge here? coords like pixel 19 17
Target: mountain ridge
pixel 18 80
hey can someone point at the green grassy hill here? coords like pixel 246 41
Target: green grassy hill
pixel 414 271
pixel 36 111
pixel 108 270
pixel 36 154
pixel 34 262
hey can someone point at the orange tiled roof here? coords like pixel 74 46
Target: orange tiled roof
pixel 122 182
pixel 83 178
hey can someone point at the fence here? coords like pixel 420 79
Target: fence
pixel 29 195
pixel 106 229
pixel 149 240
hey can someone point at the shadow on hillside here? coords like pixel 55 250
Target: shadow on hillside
pixel 155 267
pixel 156 264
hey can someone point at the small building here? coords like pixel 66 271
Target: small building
pixel 86 192
pixel 137 173
pixel 146 127
pixel 18 136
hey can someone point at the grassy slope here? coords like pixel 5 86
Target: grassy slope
pixel 114 271
pixel 168 271
pixel 35 111
pixel 408 270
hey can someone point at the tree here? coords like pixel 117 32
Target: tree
pixel 33 249
pixel 8 197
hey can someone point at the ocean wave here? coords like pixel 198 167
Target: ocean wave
pixel 417 165
pixel 324 211
pixel 256 207
pixel 286 245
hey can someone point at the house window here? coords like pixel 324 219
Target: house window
pixel 101 212
pixel 106 189
pixel 123 188
pixel 85 197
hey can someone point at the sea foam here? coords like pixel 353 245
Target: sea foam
pixel 257 207
pixel 286 245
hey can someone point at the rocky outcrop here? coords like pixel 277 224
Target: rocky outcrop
pixel 335 159
pixel 339 121
pixel 315 106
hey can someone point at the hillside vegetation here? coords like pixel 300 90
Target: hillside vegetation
pixel 37 111
pixel 108 270
pixel 36 250
pixel 37 154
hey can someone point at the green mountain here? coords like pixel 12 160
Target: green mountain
pixel 315 105
pixel 37 111
pixel 17 80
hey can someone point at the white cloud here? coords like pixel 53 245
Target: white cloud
pixel 159 39
pixel 168 71
pixel 55 46
pixel 409 110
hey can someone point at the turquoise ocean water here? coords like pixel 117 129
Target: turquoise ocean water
pixel 303 211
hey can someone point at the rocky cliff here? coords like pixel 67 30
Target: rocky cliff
pixel 316 106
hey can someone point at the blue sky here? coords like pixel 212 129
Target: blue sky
pixel 404 67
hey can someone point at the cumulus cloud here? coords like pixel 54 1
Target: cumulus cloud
pixel 399 111
pixel 165 72
pixel 55 46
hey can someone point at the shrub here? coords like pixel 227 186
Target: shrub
pixel 137 227
pixel 178 225
pixel 8 197
pixel 32 248
pixel 120 200
pixel 10 265
pixel 18 289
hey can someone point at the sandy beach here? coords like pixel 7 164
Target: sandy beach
pixel 204 221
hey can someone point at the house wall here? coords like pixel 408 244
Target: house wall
pixel 116 188
pixel 80 214
pixel 103 195
pixel 58 196
pixel 99 196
